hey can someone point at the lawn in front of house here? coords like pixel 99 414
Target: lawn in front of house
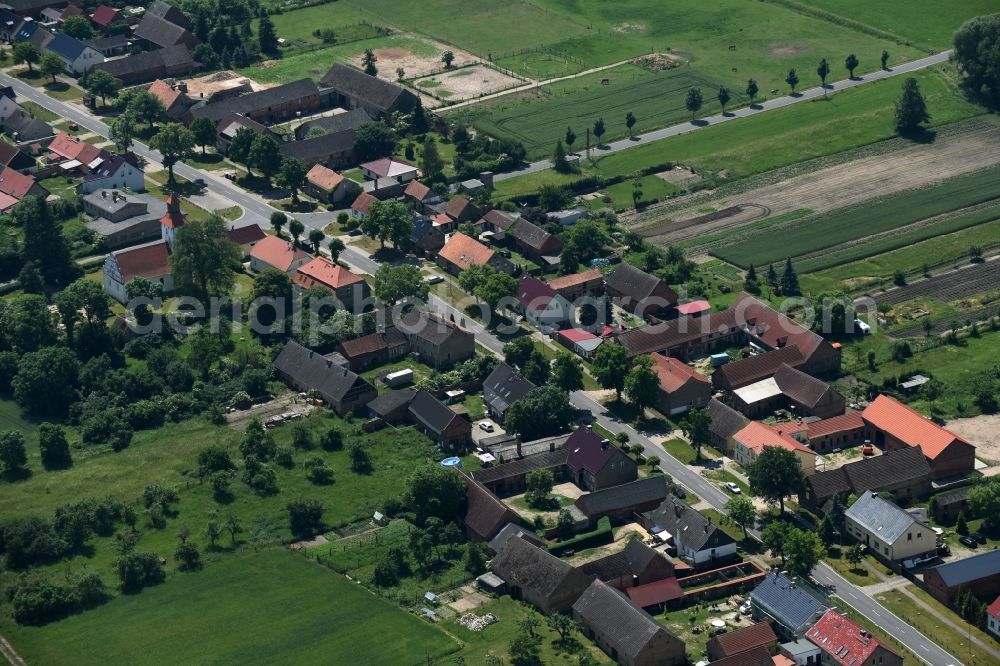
pixel 955 642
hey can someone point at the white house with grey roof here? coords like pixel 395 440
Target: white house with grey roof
pixel 888 531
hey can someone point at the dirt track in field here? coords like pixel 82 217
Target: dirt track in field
pixel 837 186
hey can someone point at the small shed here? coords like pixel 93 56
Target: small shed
pixel 492 583
pixel 380 518
pixel 431 598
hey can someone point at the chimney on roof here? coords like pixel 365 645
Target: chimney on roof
pixel 782 341
pixel 114 196
pixel 605 443
pixel 183 87
pixel 677 510
pixel 104 194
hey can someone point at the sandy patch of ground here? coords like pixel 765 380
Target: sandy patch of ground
pixel 469 602
pixel 318 540
pixel 787 50
pixel 288 403
pixel 834 187
pixel 393 57
pixel 466 83
pixel 981 431
pixel 630 27
pixel 206 86
pixel 679 176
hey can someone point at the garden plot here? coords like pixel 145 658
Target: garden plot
pixel 952 286
pixel 466 83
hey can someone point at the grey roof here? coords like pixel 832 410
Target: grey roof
pixel 630 561
pixel 889 470
pixel 318 148
pixel 953 497
pixel 136 63
pixel 504 387
pixel 800 387
pixel 880 517
pixel 529 233
pixel 726 421
pixel 341 122
pixel 66 47
pixel 431 412
pixel 370 90
pixel 169 12
pixel 687 526
pixel 510 531
pixel 256 101
pixel 111 164
pixel 485 515
pixel 619 621
pixel 311 369
pixel 160 31
pixel 110 42
pixel 533 568
pixel 623 496
pixel 547 460
pixel 27 126
pixel 433 328
pixel 390 401
pixel 789 602
pixel 629 280
pixel 970 569
pixel 800 646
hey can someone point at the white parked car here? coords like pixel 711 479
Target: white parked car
pixel 486 426
pixel 745 608
pixel 434 279
pixel 732 487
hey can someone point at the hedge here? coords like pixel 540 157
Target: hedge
pixel 601 535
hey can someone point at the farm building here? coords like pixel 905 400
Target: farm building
pixel 307 370
pixel 754 369
pixel 580 341
pixel 438 342
pixel 681 388
pixel 740 640
pixel 374 349
pixel 837 432
pixel 509 478
pixel 904 473
pixel 447 429
pixel 587 283
pixel 726 422
pixel 124 220
pixel 638 291
pixel 978 574
pixel 595 463
pixel 534 242
pixel 537 577
pixel 790 389
pixel 636 564
pixel 150 65
pixel 622 503
pixel 354 89
pixel 270 104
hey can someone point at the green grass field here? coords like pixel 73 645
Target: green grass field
pixel 653 189
pixel 539 118
pixel 747 146
pixel 12 418
pixel 272 606
pixel 827 230
pixel 910 258
pixel 924 22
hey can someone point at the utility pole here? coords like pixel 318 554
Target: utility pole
pixel 588 143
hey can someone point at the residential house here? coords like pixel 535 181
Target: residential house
pixel 904 473
pixel 801 652
pixel 681 388
pixel 8 105
pixel 790 604
pixel 103 16
pixel 503 388
pixel 639 292
pixel 976 574
pixel 425 238
pixel 893 425
pixel 33 32
pixel 485 515
pixel 13 158
pixel 836 432
pixel 595 463
pixel 361 204
pixel 461 251
pixel 697 539
pixel 269 105
pixel 726 422
pixel 356 90
pixel 542 306
pixel 391 168
pixel 150 261
pixel 581 341
pixel 14 186
pixel 374 349
pixel 789 389
pixel 155 32
pixel 754 369
pixel 279 254
pixel 622 503
pixel 436 341
pixel 738 641
pixel 350 289
pixel 77 57
pixel 306 370
pixel 534 242
pixel 122 219
pixel 891 533
pixel 174 98
pixel 150 65
pixel 10 23
pixel 73 153
pixel 341 123
pixel 115 172
pixel 993 618
pixel 755 436
pixel 577 285
pixel 419 196
pixel 328 186
pixel 624 631
pixel 498 222
pixel 233 123
pixel 847 644
pixel 444 426
pixel 535 576
pixel 460 210
pixel 635 565
pixel 24 128
pixel 246 238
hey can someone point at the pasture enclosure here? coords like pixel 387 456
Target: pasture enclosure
pixel 464 83
pixel 824 231
pixel 273 606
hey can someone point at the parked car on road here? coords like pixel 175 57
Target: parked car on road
pixel 969 542
pixel 732 487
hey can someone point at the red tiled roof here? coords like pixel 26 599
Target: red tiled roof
pixel 756 435
pixel 673 373
pixel 534 294
pixel 249 234
pixel 849 420
pixel 464 251
pixel 323 178
pixel 7 202
pixel 909 427
pixel 845 642
pixel 456 207
pixel 174 219
pixel 277 253
pixel 417 190
pixel 148 261
pixel 745 638
pixel 693 307
pixel 498 219
pixel 363 202
pixel 993 610
pixel 162 91
pixel 15 184
pixel 383 166
pixel 576 334
pixel 74 148
pixel 773 328
pixel 657 592
pixel 321 271
pixel 587 450
pixel 575 279
pixel 104 15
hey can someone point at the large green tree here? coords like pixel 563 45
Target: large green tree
pixel 977 51
pixel 78 27
pixel 239 146
pixel 642 384
pixel 54 447
pixel 265 155
pixel 374 140
pixel 567 372
pixel 488 284
pixel 204 132
pixel 544 411
pixel 395 283
pixel 12 454
pixel 44 243
pixel 388 221
pixel 775 474
pixel 611 365
pixel 741 511
pixel 204 258
pixel 26 323
pixel 293 176
pixel 101 84
pixel 803 550
pixel 26 53
pixel 50 65
pixel 146 108
pixel 175 142
pixel 696 425
pixel 267 37
pixel 46 381
pixel 911 109
pixel 434 491
pixel 276 286
pixel 122 130
pixel 693 101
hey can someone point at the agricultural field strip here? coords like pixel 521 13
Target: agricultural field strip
pixel 893 211
pixel 946 324
pixel 976 279
pixel 845 183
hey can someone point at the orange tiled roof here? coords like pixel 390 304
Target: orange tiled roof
pixel 673 373
pixel 575 279
pixel 74 148
pixel 323 178
pixel 277 253
pixel 162 91
pixel 908 426
pixel 417 190
pixel 464 251
pixel 849 420
pixel 843 641
pixel 756 435
pixel 363 202
pixel 323 272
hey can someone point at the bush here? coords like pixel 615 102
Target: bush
pixel 602 534
pixel 139 570
pixel 36 599
pixel 318 472
pixel 188 557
